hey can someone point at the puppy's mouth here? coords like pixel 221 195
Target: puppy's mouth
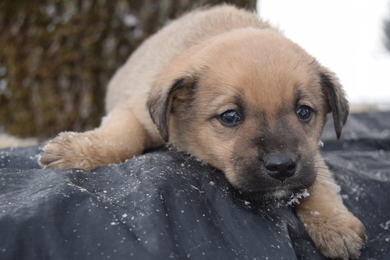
pixel 275 179
pixel 280 192
pixel 271 190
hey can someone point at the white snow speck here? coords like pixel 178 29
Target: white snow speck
pixel 294 199
pixel 336 188
pixel 386 226
pixel 88 141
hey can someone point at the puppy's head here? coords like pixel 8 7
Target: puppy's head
pixel 253 104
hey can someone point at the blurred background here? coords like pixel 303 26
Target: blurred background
pixel 351 37
pixel 57 56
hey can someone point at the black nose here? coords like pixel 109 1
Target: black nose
pixel 280 167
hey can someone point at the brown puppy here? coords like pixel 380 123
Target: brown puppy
pixel 232 91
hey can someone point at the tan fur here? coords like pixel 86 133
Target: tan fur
pixel 327 219
pixel 186 76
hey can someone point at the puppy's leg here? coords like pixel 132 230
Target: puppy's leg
pixel 121 136
pixel 334 230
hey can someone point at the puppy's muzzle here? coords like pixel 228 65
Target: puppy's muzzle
pixel 280 166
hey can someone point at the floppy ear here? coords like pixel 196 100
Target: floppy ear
pixel 335 97
pixel 162 98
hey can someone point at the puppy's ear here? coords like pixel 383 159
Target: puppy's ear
pixel 336 100
pixel 165 96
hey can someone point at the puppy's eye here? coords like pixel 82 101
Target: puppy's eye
pixel 304 113
pixel 230 118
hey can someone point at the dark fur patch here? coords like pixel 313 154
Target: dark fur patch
pixel 337 102
pixel 160 104
pixel 272 139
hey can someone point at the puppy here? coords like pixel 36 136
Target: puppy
pixel 232 91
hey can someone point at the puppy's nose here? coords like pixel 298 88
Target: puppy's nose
pixel 280 167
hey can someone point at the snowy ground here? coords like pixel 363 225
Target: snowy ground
pixel 345 36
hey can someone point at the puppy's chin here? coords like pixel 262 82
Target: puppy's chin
pixel 277 198
pixel 261 187
pixel 277 195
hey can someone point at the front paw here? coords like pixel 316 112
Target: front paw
pixel 69 150
pixel 337 235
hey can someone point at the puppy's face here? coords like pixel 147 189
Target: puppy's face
pixel 252 104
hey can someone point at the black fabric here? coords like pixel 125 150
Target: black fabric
pixel 164 205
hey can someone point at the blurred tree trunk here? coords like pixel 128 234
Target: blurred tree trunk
pixel 57 56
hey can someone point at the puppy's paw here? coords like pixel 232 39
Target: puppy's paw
pixel 69 150
pixel 340 235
